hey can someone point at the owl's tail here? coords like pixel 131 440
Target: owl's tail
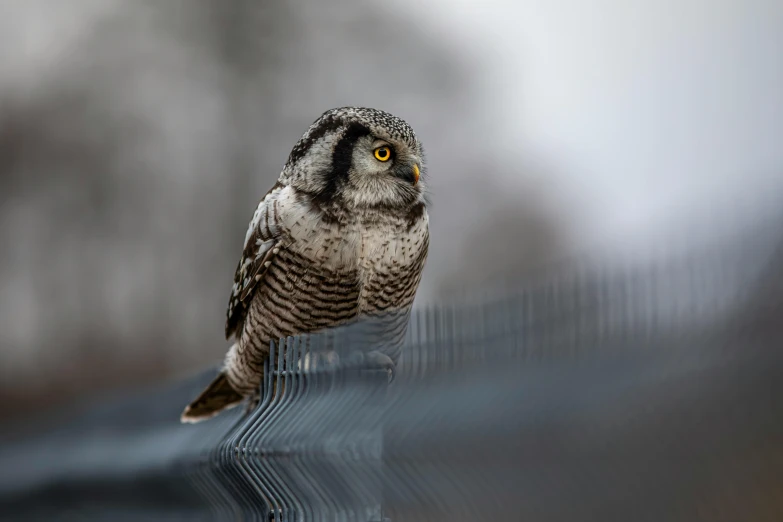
pixel 218 396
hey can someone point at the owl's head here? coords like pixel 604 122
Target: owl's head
pixel 358 158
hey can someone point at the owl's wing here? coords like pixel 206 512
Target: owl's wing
pixel 262 240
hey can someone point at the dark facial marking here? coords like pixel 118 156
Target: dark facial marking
pixel 341 160
pixel 333 119
pixel 328 124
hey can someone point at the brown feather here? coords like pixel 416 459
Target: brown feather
pixel 218 396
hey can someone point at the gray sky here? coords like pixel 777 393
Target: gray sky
pixel 651 112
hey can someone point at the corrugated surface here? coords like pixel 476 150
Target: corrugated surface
pixel 647 394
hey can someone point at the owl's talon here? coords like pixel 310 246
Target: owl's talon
pixel 318 360
pixel 252 402
pixel 375 360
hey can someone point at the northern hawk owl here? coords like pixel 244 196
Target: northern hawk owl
pixel 343 234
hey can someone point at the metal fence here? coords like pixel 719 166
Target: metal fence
pixel 593 394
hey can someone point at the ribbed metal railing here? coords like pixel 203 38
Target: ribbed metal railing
pixel 595 394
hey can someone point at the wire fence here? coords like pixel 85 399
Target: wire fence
pixel 652 393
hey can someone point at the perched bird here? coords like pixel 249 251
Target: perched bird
pixel 343 234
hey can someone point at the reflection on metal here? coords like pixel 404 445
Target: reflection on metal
pixel 652 394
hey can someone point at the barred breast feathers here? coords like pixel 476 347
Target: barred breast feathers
pixel 286 219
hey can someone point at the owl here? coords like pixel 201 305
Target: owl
pixel 342 235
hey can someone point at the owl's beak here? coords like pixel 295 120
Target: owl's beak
pixel 415 174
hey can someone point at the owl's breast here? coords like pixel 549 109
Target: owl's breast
pixel 325 244
pixel 391 260
pixel 392 245
pixel 384 255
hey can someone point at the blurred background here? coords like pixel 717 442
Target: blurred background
pixel 137 136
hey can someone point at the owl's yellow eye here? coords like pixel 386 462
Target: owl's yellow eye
pixel 383 153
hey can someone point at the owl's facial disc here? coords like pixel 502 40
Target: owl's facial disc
pixel 379 157
pixel 385 153
pixel 384 171
pixel 358 156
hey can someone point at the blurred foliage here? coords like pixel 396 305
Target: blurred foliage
pixel 136 138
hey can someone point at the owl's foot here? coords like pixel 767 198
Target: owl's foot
pixel 374 360
pixel 318 360
pixel 252 402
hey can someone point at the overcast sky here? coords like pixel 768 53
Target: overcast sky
pixel 649 111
